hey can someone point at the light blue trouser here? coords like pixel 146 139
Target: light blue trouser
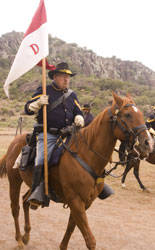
pixel 51 140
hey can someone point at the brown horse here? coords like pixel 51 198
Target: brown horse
pixel 71 182
pixel 135 165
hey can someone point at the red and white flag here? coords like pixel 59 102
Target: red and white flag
pixel 33 48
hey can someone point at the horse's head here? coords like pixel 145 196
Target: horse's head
pixel 128 124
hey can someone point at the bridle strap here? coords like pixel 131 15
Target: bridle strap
pixel 140 128
pixel 126 129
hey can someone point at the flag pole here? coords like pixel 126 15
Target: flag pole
pixel 45 127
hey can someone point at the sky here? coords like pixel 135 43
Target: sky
pixel 121 28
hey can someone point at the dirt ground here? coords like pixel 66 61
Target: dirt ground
pixel 125 221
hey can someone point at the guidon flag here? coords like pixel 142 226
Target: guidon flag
pixel 33 48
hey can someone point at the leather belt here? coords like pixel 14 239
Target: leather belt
pixel 53 131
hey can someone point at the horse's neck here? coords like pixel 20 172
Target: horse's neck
pixel 100 139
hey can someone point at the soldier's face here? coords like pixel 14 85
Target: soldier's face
pixel 62 80
pixel 86 111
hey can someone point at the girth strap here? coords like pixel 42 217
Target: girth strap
pixel 83 163
pixel 85 166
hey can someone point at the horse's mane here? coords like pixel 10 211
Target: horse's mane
pixel 90 131
pixel 94 126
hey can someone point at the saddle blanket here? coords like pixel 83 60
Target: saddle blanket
pixel 27 158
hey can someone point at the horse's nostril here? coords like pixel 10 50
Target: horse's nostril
pixel 146 142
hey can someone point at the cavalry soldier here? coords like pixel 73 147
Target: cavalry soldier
pixel 62 110
pixel 150 123
pixel 88 117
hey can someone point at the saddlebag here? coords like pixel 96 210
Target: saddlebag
pixel 28 157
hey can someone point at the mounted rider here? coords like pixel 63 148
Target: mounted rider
pixel 63 109
pixel 88 117
pixel 150 123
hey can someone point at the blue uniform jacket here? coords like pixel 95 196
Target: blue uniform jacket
pixel 61 116
pixel 88 119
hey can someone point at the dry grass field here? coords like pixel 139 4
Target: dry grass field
pixel 125 221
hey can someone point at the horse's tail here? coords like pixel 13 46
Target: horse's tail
pixel 3 171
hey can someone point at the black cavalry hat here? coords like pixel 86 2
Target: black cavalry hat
pixel 86 106
pixel 60 68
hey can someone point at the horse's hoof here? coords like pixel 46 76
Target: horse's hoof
pixel 25 239
pixel 20 247
pixel 62 247
pixel 123 185
pixel 146 190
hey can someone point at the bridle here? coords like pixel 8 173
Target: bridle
pixel 123 126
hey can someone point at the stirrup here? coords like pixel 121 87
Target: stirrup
pixel 33 207
pixel 34 204
pixel 106 192
pixel 38 197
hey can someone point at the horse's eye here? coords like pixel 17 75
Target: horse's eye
pixel 128 115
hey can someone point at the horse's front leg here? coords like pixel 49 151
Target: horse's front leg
pixel 70 228
pixel 128 167
pixel 27 227
pixel 78 213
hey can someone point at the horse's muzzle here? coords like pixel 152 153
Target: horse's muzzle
pixel 146 142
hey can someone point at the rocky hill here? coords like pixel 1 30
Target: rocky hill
pixel 82 60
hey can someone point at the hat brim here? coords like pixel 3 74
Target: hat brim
pixel 53 72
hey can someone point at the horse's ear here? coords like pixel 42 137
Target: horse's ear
pixel 118 100
pixel 128 95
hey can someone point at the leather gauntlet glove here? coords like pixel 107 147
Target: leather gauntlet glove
pixel 79 120
pixel 35 106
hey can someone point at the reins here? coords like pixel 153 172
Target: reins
pixel 72 130
pixel 84 164
pixel 113 122
pixel 74 154
pixel 106 173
